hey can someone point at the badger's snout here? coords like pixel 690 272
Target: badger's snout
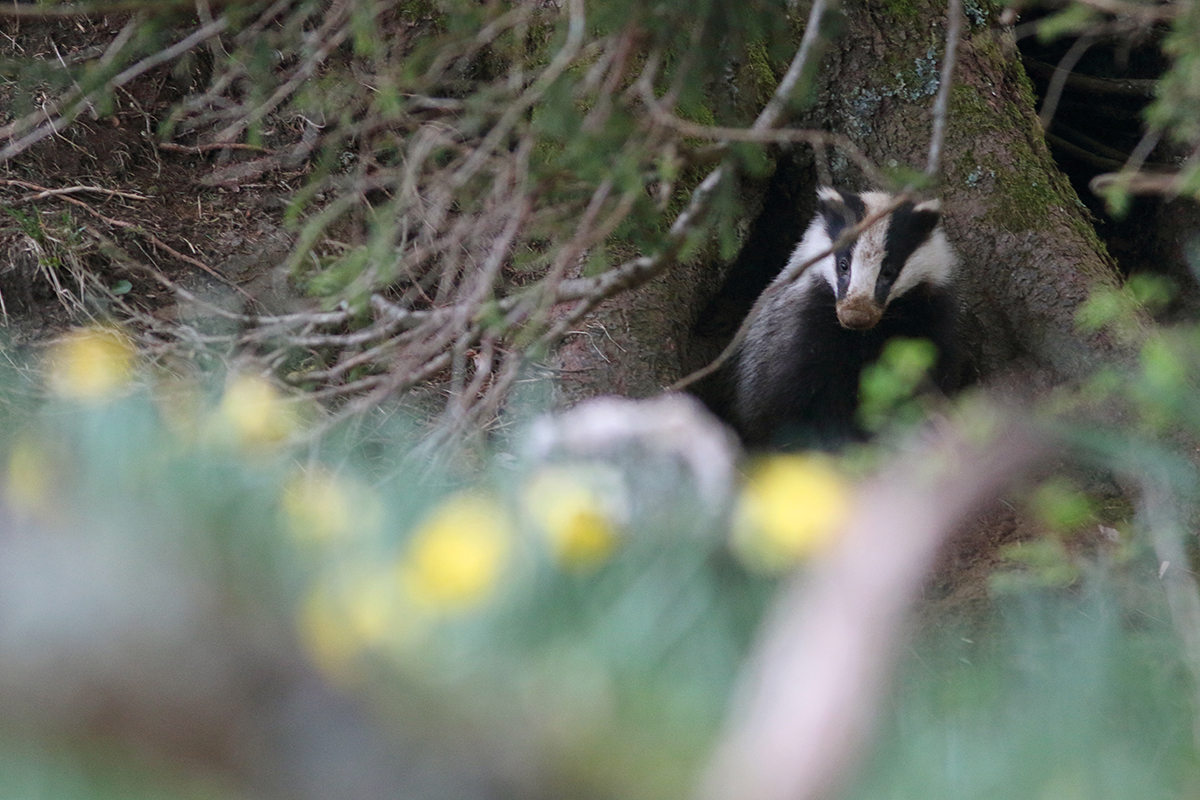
pixel 859 313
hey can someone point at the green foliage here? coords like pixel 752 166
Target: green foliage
pixel 1177 107
pixel 1046 563
pixel 888 387
pixel 1061 506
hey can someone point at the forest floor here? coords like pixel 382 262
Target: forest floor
pixel 103 213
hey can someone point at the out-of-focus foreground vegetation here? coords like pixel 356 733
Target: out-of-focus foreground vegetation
pixel 207 588
pixel 199 600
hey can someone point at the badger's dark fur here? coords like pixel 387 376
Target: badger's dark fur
pixel 797 375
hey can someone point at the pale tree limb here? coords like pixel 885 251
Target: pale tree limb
pixel 45 11
pixel 802 61
pixel 816 679
pixel 1062 71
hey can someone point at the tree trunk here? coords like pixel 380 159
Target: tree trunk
pixel 1030 254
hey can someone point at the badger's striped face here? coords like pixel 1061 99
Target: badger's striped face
pixel 898 252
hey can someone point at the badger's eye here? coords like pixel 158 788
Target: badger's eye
pixel 843 265
pixel 888 273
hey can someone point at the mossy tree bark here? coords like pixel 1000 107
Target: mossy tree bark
pixel 1030 254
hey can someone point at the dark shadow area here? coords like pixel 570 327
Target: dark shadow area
pixel 788 204
pixel 1096 126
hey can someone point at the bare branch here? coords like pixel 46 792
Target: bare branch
pixel 43 193
pixel 941 105
pixel 59 123
pixel 45 11
pixel 1065 65
pixel 785 136
pixel 636 271
pixel 331 34
pixel 1141 12
pixel 1166 184
pixel 802 61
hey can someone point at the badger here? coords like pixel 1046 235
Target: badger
pixel 796 377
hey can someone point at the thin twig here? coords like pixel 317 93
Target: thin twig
pixel 1061 72
pixel 43 193
pixel 941 105
pixel 636 271
pixel 208 148
pixel 157 242
pixel 54 126
pixel 329 42
pixel 803 59
pixel 46 11
pixel 1165 184
pixel 1141 12
pixel 1124 87
pixel 51 108
pixel 785 136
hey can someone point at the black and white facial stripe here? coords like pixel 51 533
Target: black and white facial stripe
pixel 801 360
pixel 896 253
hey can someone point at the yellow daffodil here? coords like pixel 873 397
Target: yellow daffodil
pixel 255 412
pixel 356 608
pixel 457 554
pixel 322 508
pixel 789 508
pixel 579 511
pixel 91 364
pixel 332 643
pixel 29 478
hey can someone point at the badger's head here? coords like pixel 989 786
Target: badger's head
pixel 897 253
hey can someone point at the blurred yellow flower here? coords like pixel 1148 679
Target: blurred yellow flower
pixel 457 554
pixel 321 507
pixel 374 607
pixel 29 480
pixel 181 406
pixel 356 607
pixel 332 643
pixel 91 363
pixel 789 508
pixel 255 412
pixel 579 512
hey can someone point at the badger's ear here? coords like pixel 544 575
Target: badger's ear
pixel 828 194
pixel 933 206
pixel 839 209
pixel 913 225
